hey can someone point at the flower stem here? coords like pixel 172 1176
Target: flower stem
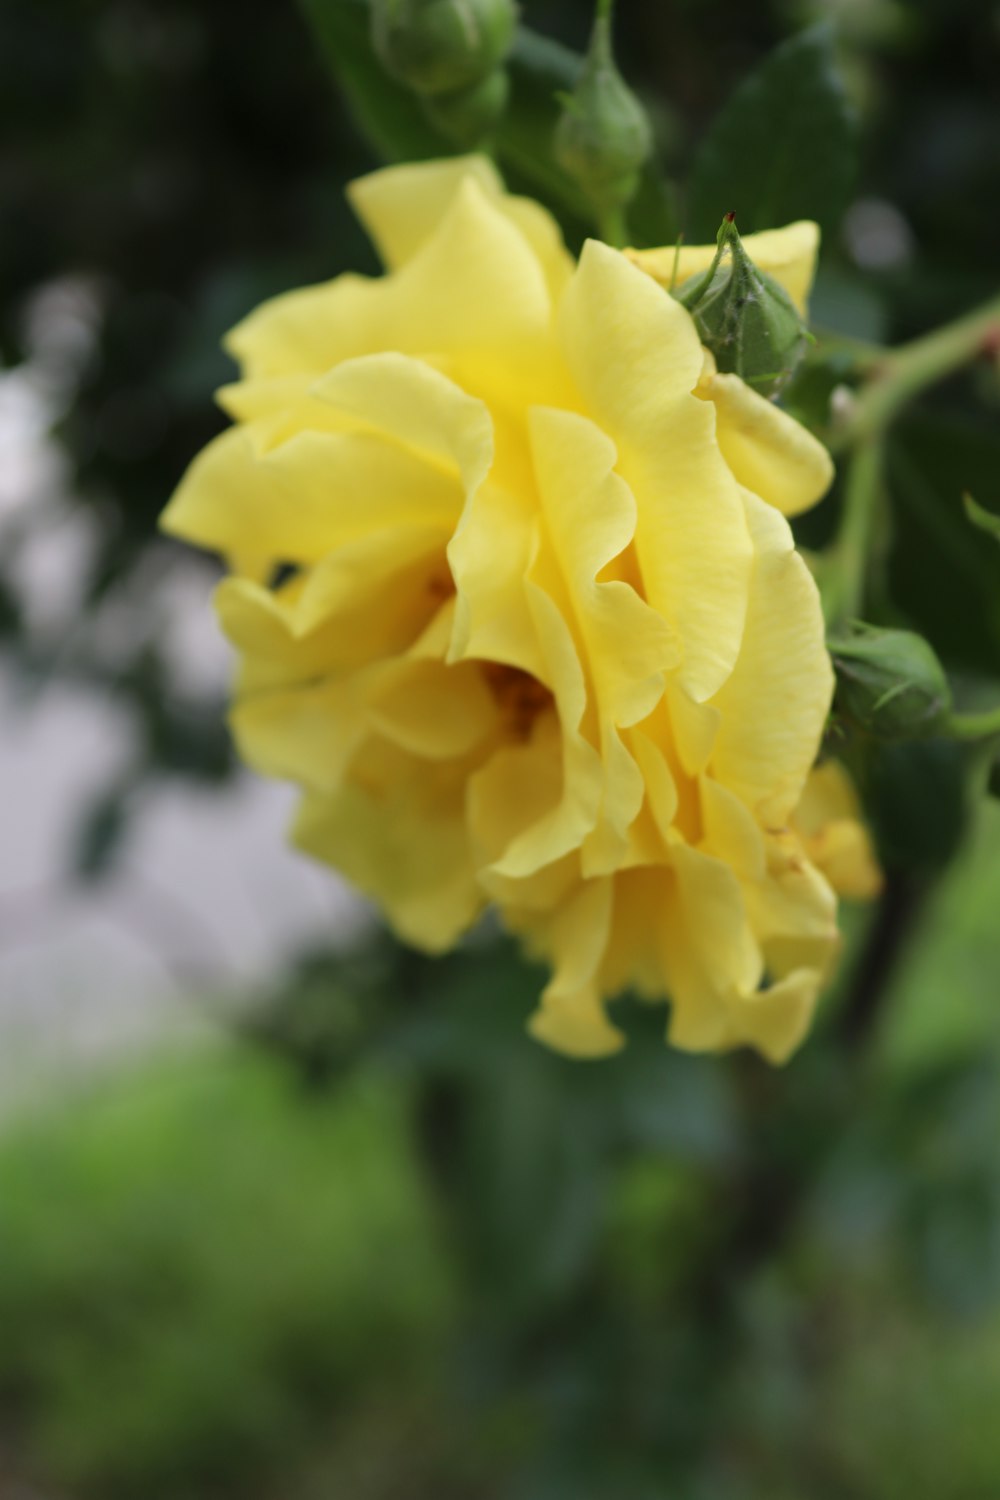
pixel 844 584
pixel 895 377
pixel 904 372
pixel 979 726
pixel 613 227
pixel 862 354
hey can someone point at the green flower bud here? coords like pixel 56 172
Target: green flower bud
pixel 889 682
pixel 471 114
pixel 442 46
pixel 603 136
pixel 745 317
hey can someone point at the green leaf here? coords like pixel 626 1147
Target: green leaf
pixel 783 148
pixel 979 516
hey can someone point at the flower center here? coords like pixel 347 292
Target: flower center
pixel 521 697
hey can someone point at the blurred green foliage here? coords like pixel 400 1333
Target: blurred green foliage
pixel 465 1267
pixel 205 1267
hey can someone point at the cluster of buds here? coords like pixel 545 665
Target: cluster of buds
pixel 452 54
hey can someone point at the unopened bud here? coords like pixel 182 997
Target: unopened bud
pixel 442 46
pixel 744 317
pixel 603 136
pixel 470 115
pixel 889 682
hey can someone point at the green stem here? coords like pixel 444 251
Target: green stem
pixel 614 230
pixel 862 354
pixel 905 372
pixel 844 586
pixel 979 726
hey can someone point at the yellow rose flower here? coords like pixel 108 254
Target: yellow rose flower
pixel 517 607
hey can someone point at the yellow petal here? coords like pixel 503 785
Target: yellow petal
pixel 520 786
pixel 715 929
pixel 829 819
pixel 403 842
pixel 567 824
pixel 658 780
pixel 308 330
pixel 774 706
pixel 625 647
pixel 590 518
pixel 571 1015
pixel 303 498
pixel 716 964
pixel 694 729
pixel 788 254
pixel 435 711
pixel 380 602
pixel 474 288
pixel 767 450
pixel 635 356
pixel 635 957
pixel 775 1019
pixel 250 400
pixel 306 733
pixel 793 911
pixel 730 831
pixel 489 556
pixel 407 402
pixel 379 591
pixel 476 291
pixel 402 206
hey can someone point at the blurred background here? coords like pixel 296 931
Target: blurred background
pixel 287 1211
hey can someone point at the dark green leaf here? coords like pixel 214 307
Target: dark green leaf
pixel 783 148
pixel 942 574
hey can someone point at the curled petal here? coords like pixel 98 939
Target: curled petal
pixel 767 450
pixel 774 706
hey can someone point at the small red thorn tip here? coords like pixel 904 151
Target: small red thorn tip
pixel 730 218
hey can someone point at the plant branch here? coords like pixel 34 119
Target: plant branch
pixel 904 372
pixel 896 916
pixel 978 726
pixel 844 582
pixel 863 354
